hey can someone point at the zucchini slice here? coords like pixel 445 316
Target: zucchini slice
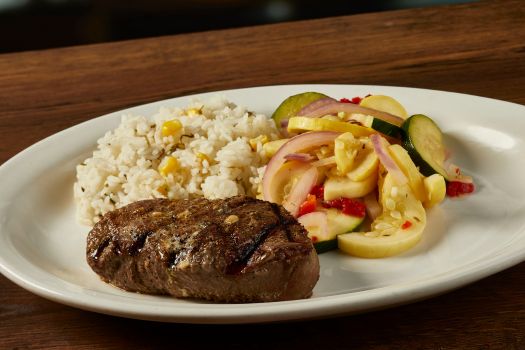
pixel 424 142
pixel 386 128
pixel 380 125
pixel 293 104
pixel 338 223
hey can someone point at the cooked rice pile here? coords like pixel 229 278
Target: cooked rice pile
pixel 216 153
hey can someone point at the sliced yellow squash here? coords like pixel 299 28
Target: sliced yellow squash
pixel 385 104
pixel 436 190
pixel 300 124
pixel 407 166
pixel 346 147
pixel 366 163
pixel 342 186
pixel 397 229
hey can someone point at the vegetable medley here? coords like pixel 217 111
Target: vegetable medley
pixel 358 173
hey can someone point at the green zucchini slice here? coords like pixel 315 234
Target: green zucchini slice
pixel 423 140
pixel 338 223
pixel 380 125
pixel 293 104
pixel 386 128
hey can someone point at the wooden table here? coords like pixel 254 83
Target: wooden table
pixel 476 48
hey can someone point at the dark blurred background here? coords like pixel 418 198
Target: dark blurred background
pixel 39 24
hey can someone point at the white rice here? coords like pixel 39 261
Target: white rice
pixel 212 149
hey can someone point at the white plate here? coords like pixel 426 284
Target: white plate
pixel 42 247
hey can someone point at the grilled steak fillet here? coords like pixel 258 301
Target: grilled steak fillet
pixel 238 249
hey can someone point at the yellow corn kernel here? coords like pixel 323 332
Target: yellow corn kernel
pixel 163 189
pixel 171 127
pixel 193 111
pixel 202 157
pixel 168 165
pixel 261 138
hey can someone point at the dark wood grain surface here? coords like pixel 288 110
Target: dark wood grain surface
pixel 476 48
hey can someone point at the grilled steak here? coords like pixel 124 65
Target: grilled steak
pixel 238 249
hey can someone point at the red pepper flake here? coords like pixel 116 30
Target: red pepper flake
pixel 355 100
pixel 318 191
pixel 334 203
pixel 457 188
pixel 406 225
pixel 314 239
pixel 348 206
pixel 354 207
pixel 308 205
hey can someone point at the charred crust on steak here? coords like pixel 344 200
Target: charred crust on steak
pixel 194 248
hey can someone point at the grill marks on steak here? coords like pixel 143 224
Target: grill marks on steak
pixel 138 242
pixel 250 253
pixel 234 250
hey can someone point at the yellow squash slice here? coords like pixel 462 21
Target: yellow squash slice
pixel 300 124
pixel 385 104
pixel 397 229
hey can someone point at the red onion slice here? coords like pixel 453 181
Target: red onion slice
pixel 380 147
pixel 315 219
pixel 301 157
pixel 300 190
pixel 309 108
pixel 373 209
pixel 291 169
pixel 294 145
pixel 335 107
